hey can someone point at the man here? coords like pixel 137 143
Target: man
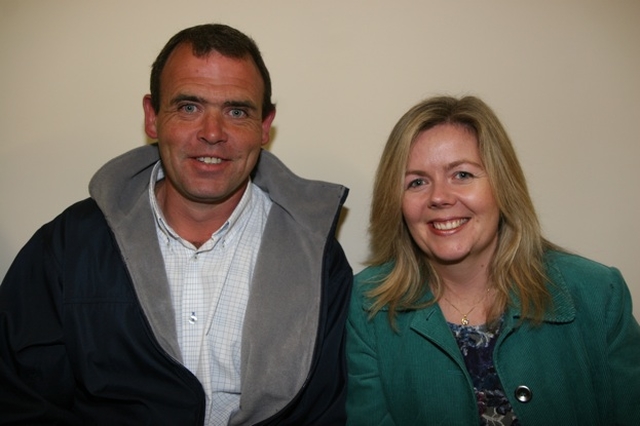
pixel 200 284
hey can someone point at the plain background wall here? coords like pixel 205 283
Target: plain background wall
pixel 563 76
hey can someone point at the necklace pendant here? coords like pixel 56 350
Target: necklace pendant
pixel 464 320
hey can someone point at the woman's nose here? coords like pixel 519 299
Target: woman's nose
pixel 441 195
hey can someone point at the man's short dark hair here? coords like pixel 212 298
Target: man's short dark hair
pixel 208 38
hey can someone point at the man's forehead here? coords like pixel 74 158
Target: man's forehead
pixel 213 77
pixel 186 50
pixel 183 57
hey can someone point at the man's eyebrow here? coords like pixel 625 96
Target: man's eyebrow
pixel 197 99
pixel 186 98
pixel 241 104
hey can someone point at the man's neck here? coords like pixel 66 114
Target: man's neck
pixel 194 221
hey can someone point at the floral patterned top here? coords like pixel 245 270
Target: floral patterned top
pixel 476 344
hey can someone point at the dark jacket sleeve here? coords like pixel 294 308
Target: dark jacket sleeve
pixel 322 400
pixel 36 382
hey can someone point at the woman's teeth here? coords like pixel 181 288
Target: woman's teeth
pixel 450 224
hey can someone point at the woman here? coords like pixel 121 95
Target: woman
pixel 467 315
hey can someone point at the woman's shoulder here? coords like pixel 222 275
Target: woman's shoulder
pixel 574 267
pixel 588 281
pixel 373 275
pixel 368 279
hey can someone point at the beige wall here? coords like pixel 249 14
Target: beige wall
pixel 562 75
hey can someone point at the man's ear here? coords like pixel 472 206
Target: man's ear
pixel 149 118
pixel 266 126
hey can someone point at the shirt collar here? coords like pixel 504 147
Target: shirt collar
pixel 158 174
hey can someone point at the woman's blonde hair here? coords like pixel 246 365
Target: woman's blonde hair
pixel 517 267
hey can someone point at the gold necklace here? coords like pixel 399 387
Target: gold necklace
pixel 465 317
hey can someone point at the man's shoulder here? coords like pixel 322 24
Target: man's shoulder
pixel 120 180
pixel 83 218
pixel 314 205
pixel 275 178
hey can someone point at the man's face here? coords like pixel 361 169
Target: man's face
pixel 209 126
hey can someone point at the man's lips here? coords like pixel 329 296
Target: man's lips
pixel 448 225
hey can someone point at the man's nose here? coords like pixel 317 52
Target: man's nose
pixel 212 128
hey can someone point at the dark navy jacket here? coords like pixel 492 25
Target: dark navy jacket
pixel 87 335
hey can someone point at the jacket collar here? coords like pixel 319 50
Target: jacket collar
pixel 286 291
pixel 120 188
pixel 561 310
pixel 302 219
pixel 430 323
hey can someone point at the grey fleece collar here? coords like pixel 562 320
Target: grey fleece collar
pixel 283 311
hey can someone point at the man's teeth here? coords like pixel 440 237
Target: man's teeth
pixel 210 160
pixel 450 224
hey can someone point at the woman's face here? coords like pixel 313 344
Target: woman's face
pixel 448 204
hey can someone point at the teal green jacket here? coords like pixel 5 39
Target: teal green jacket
pixel 581 366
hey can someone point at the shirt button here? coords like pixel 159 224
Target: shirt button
pixel 523 394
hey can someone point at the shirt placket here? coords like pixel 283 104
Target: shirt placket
pixel 193 310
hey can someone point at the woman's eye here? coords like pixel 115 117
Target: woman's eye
pixel 464 175
pixel 415 183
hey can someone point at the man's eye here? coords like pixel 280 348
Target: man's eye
pixel 189 108
pixel 237 113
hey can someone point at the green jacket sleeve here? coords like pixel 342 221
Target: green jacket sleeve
pixel 623 353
